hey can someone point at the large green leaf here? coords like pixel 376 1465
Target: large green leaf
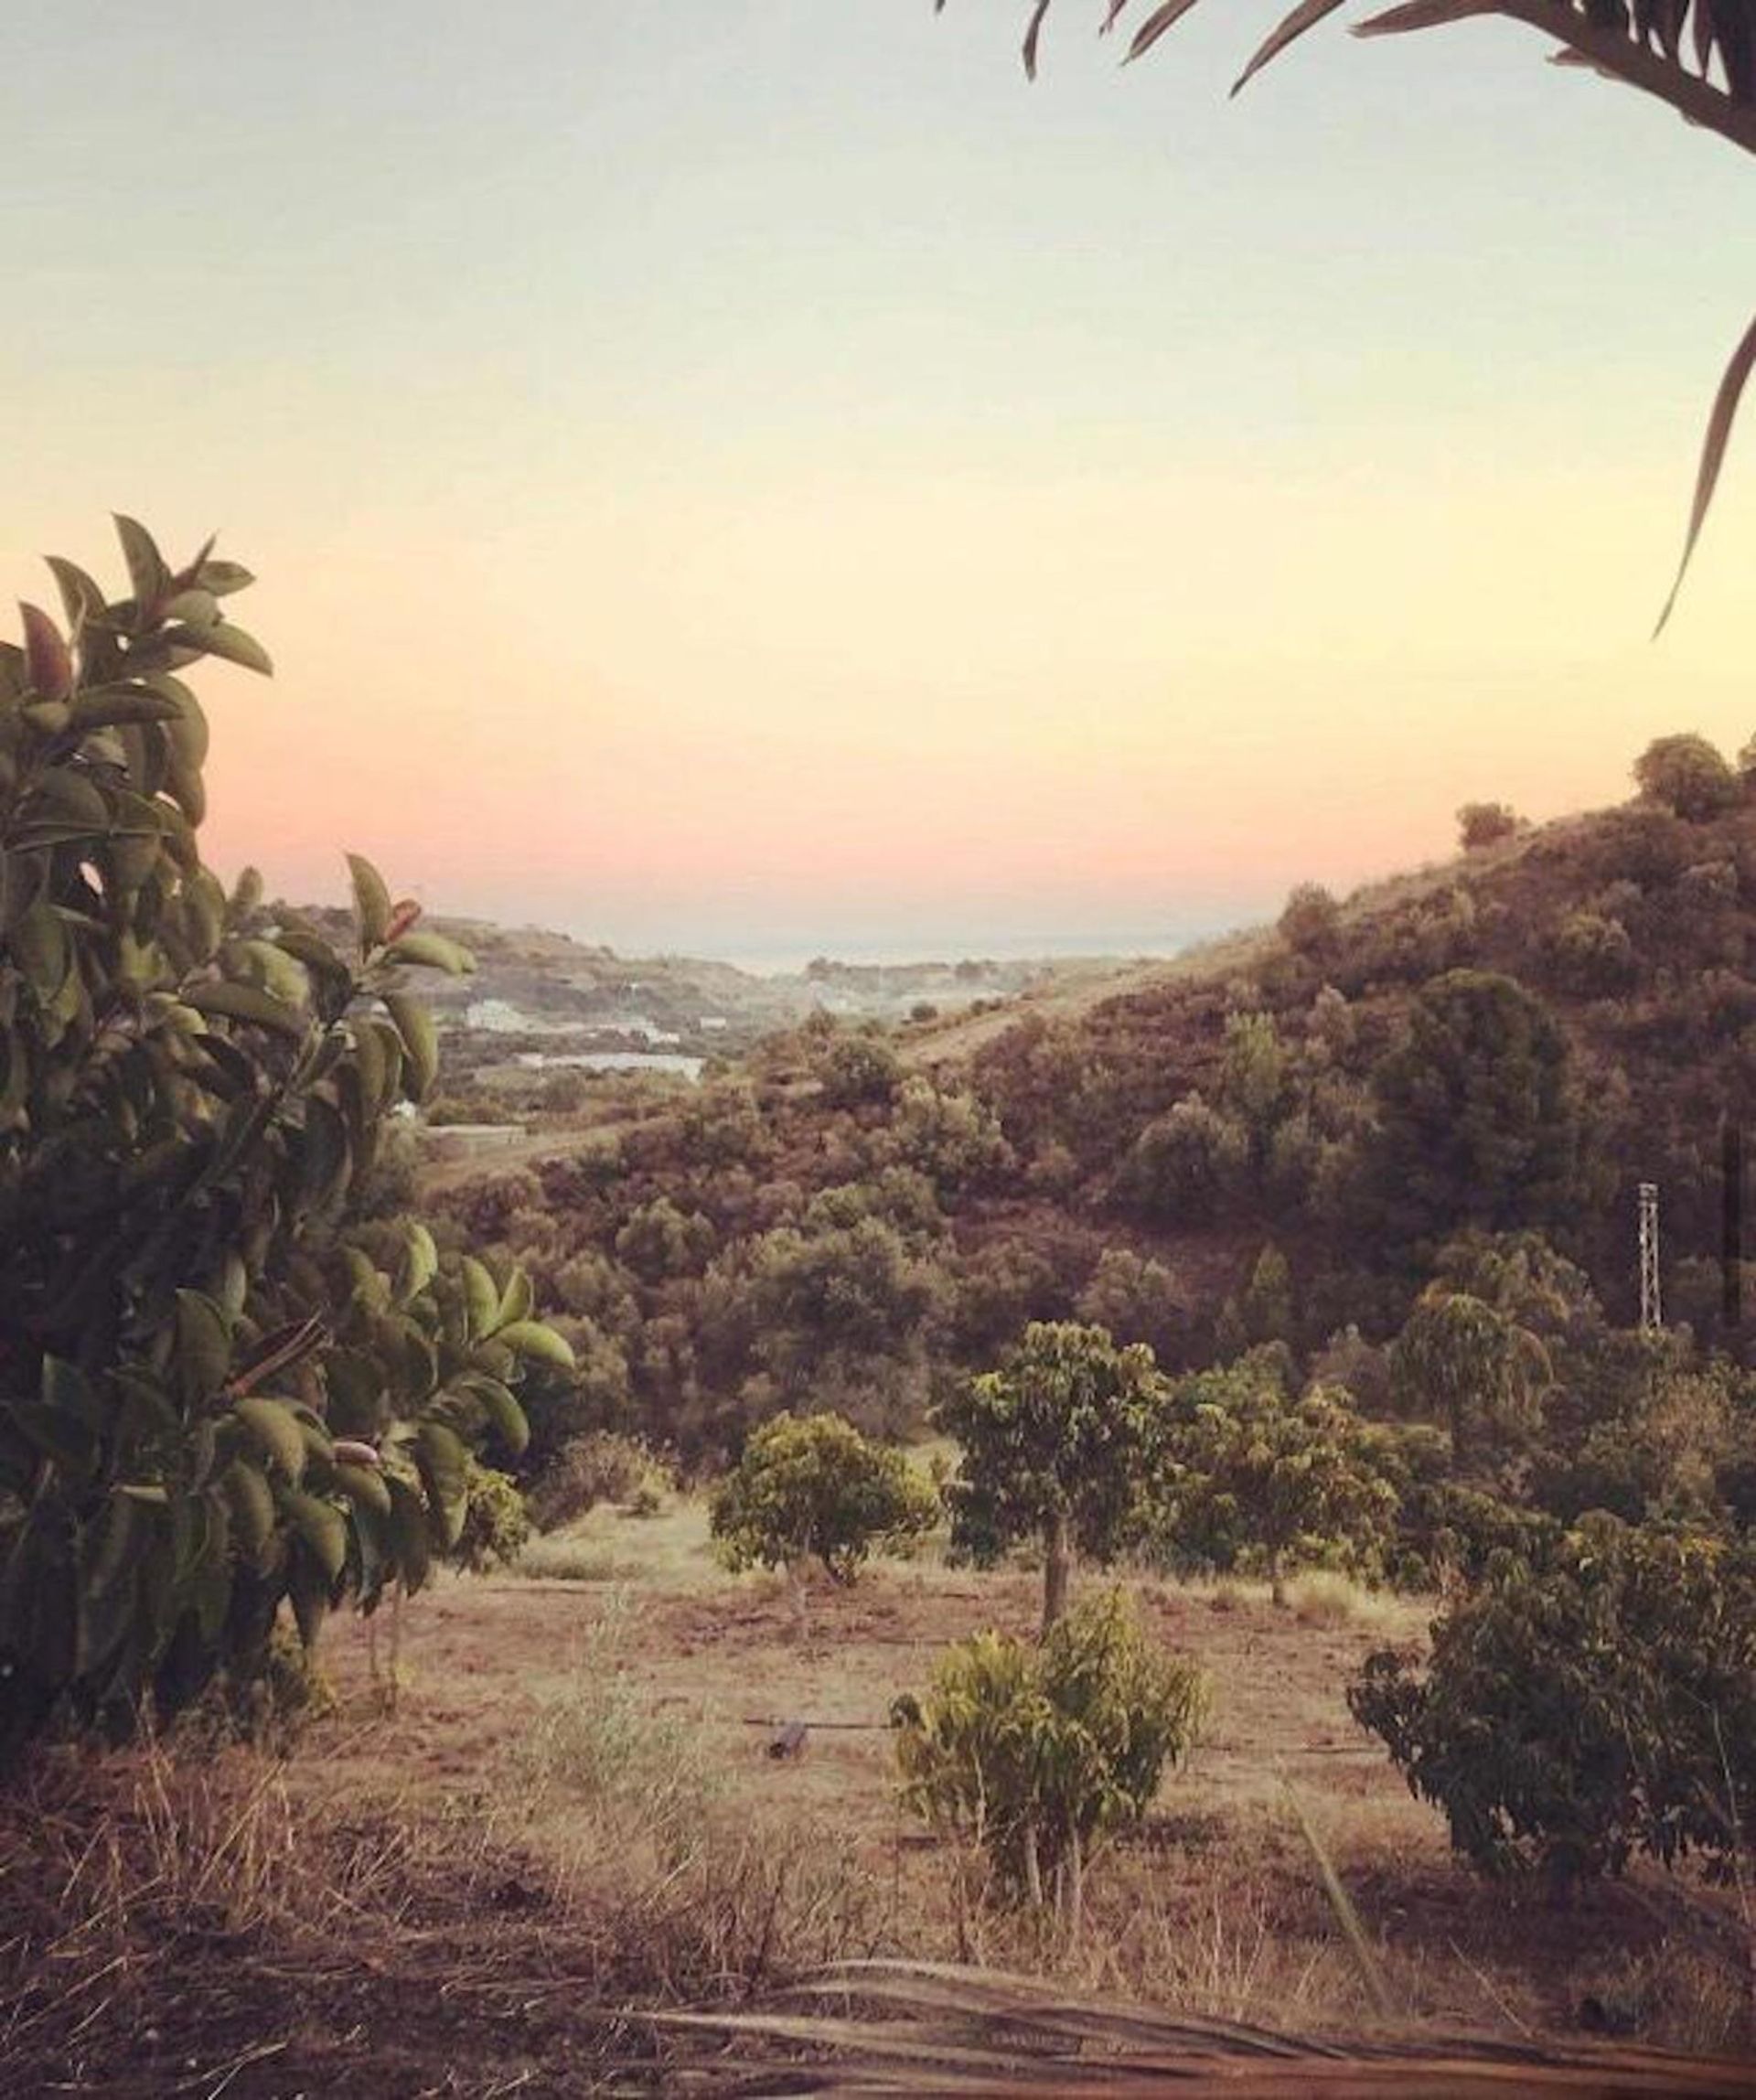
pixel 146 568
pixel 203 1348
pixel 252 1503
pixel 444 1465
pixel 372 901
pixel 275 1428
pixel 321 1526
pixel 432 950
pixel 223 638
pixel 420 1040
pixel 532 1338
pixel 410 1532
pixel 248 1003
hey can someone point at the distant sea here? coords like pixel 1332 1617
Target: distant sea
pixel 790 960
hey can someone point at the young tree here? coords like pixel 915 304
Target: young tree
pixel 1311 920
pixel 1483 824
pixel 1251 1469
pixel 1472 1368
pixel 1058 1445
pixel 216 1393
pixel 815 1486
pixel 1479 1124
pixel 1598 1705
pixel 1688 776
pixel 1037 1754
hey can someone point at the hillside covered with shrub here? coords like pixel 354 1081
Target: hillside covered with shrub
pixel 1442 1093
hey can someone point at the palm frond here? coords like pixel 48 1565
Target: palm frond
pixel 887 2028
pixel 1698 56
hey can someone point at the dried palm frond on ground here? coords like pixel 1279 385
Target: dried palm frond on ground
pixel 1699 56
pixel 922 2027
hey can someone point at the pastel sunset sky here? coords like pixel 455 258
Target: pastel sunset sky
pixel 748 476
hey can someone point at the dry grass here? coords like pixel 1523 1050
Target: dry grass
pixel 1323 1599
pixel 568 1811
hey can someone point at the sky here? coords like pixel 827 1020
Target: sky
pixel 760 478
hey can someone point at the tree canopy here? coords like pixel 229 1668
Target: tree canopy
pixel 1057 1443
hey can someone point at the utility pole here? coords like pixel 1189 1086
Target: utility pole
pixel 1651 1311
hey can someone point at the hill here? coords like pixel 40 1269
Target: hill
pixel 1273 1140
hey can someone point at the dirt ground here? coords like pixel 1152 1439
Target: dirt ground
pixel 568 1807
pixel 1220 1900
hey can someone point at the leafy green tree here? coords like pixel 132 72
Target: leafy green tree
pixel 1523 1277
pixel 1479 1120
pixel 829 1311
pixel 1481 824
pixel 1057 1446
pixel 1251 1470
pixel 1597 1706
pixel 951 1136
pixel 216 1393
pixel 659 1240
pixel 1037 1753
pixel 814 1486
pixel 1311 920
pixel 1254 1075
pixel 1688 776
pixel 857 1070
pixel 1186 1164
pixel 1136 1299
pixel 1266 1309
pixel 1475 1370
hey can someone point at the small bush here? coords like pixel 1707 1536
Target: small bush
pixel 1686 775
pixel 1310 920
pixel 1572 1717
pixel 496 1523
pixel 815 1488
pixel 599 1467
pixel 858 1069
pixel 645 1776
pixel 1591 955
pixel 1483 824
pixel 1035 1753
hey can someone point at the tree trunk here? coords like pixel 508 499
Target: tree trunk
pixel 1058 1567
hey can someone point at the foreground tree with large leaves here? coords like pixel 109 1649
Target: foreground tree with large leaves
pixel 1698 56
pixel 216 1393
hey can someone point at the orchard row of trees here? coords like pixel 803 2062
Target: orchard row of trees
pixel 1504 1411
pixel 1587 1698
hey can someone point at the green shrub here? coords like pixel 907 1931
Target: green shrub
pixel 815 1488
pixel 1573 1717
pixel 1483 824
pixel 1687 775
pixel 1035 1753
pixel 1256 1477
pixel 857 1070
pixel 495 1522
pixel 599 1467
pixel 218 1390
